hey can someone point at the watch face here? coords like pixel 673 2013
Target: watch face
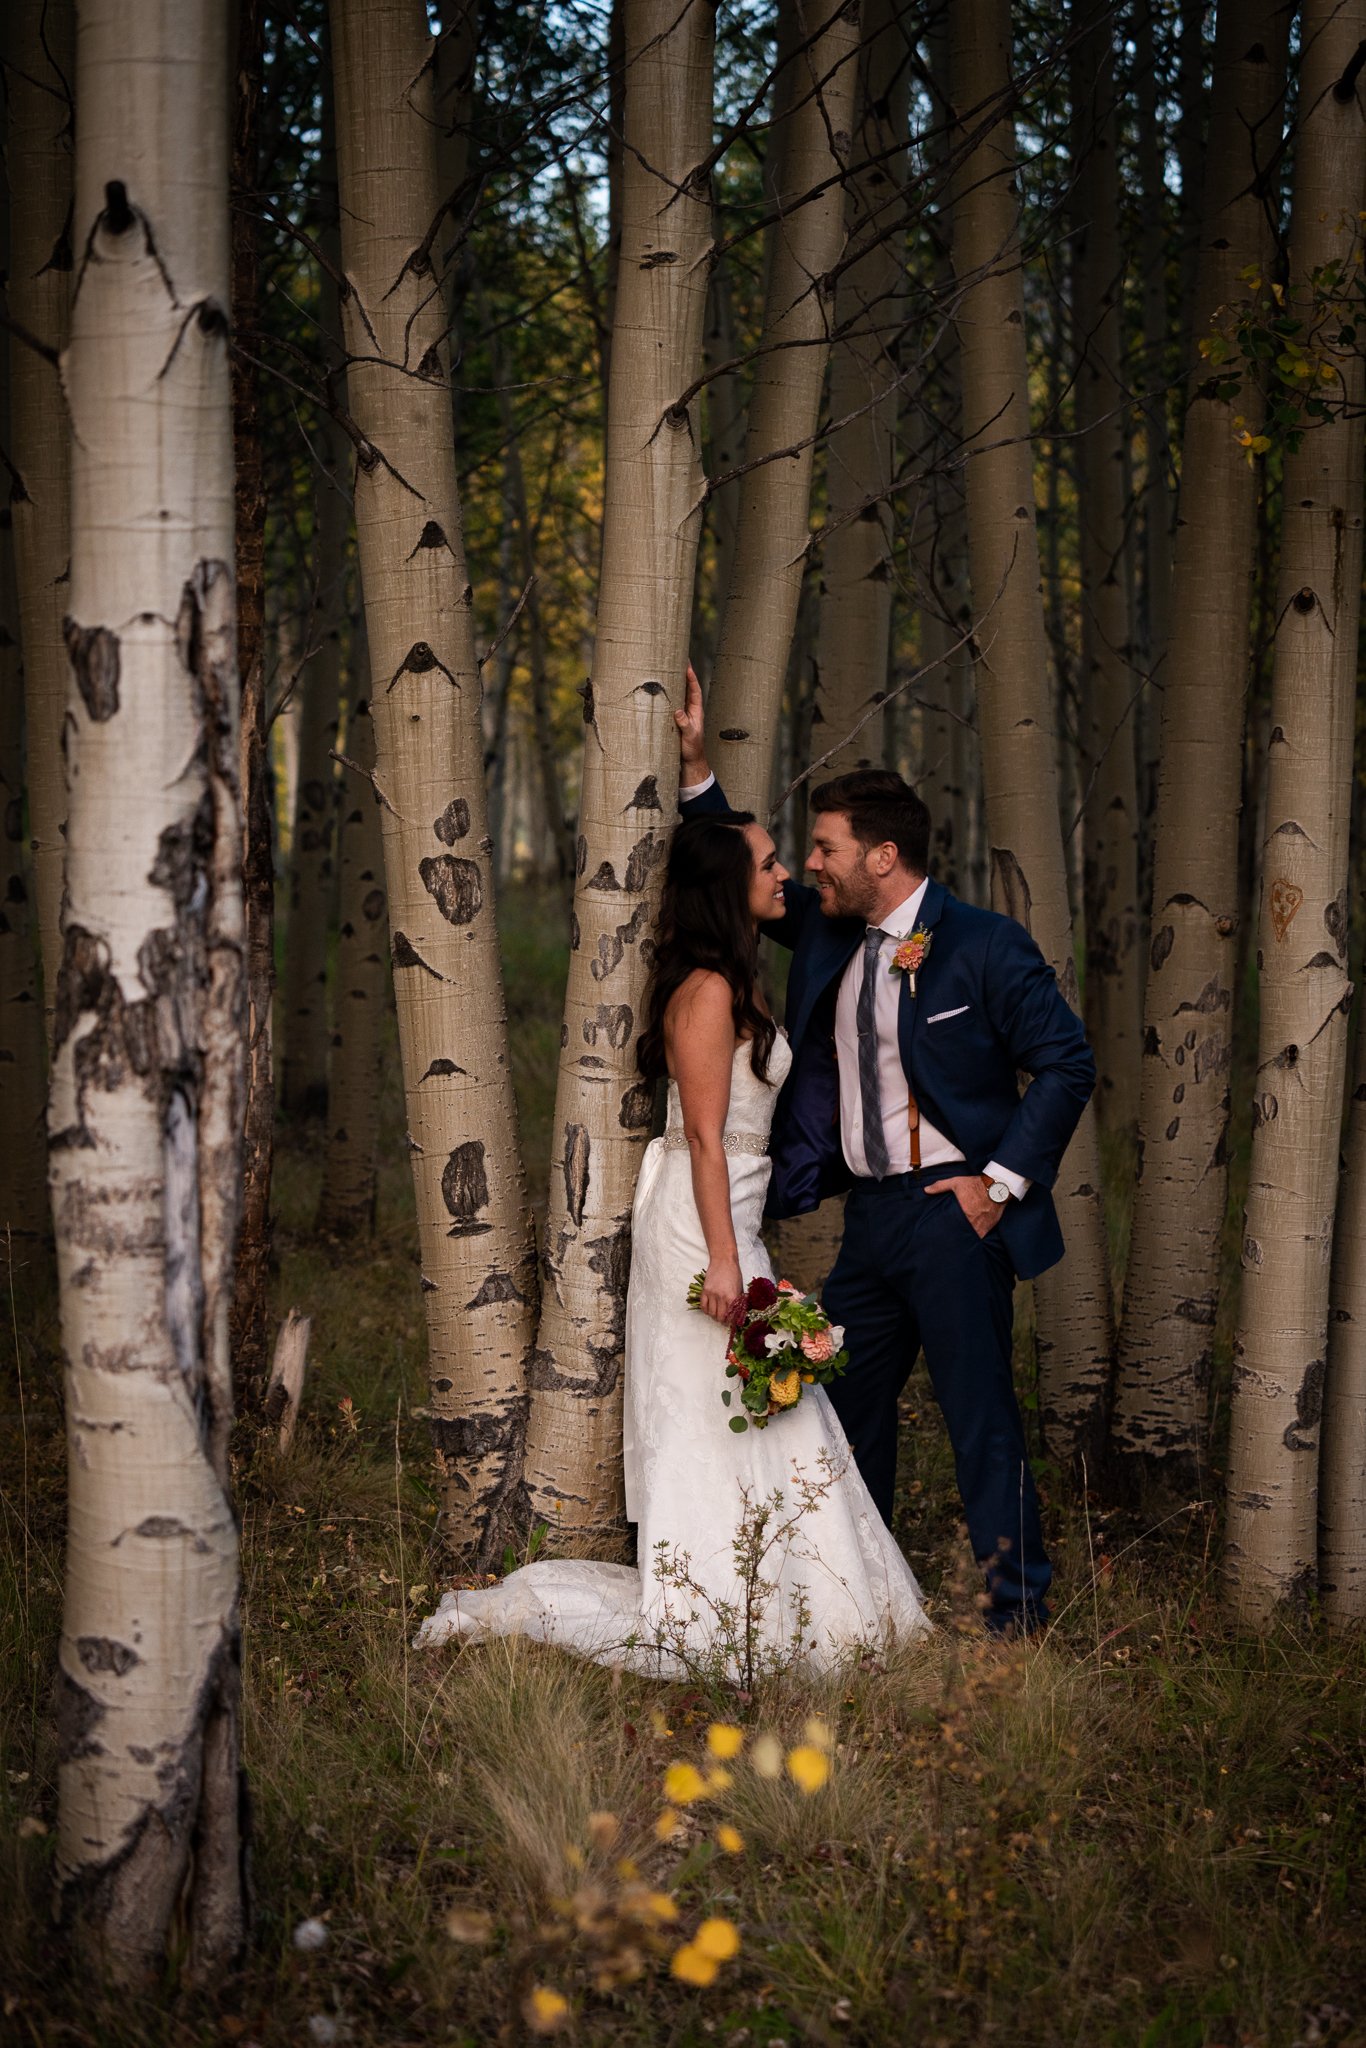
pixel 998 1191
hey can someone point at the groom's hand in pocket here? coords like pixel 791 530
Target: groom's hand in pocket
pixel 969 1190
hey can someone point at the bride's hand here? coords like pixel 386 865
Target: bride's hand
pixel 722 1287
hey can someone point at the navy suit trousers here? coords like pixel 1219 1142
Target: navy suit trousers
pixel 913 1272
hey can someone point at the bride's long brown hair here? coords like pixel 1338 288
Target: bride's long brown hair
pixel 704 921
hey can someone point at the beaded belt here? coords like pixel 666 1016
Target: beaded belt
pixel 676 1140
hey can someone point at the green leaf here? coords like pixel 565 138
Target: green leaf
pixel 725 1397
pixel 737 1423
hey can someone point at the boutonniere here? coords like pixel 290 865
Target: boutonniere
pixel 909 956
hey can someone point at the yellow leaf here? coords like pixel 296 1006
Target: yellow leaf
pixel 725 1740
pixel 544 2010
pixel 690 1966
pixel 719 1939
pixel 660 1906
pixel 730 1839
pixel 683 1783
pixel 808 1768
pixel 1259 444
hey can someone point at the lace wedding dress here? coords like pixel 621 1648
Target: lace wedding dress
pixel 756 1548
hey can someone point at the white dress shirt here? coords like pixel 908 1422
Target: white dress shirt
pixel 935 1148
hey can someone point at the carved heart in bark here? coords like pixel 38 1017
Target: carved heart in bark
pixel 1286 898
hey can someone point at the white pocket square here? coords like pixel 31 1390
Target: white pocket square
pixel 940 1015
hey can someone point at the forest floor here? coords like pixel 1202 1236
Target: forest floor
pixel 1143 1829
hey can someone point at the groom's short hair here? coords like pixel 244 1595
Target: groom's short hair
pixel 880 806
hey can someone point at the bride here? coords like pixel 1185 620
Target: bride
pixel 756 1549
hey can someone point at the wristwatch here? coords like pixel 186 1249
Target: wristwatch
pixel 997 1191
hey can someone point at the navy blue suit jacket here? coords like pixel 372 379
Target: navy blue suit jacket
pixel 963 1071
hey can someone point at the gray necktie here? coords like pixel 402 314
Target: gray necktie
pixel 870 1094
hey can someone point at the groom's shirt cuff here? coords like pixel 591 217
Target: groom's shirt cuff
pixel 1016 1182
pixel 685 796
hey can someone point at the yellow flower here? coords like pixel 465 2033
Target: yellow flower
pixel 725 1740
pixel 785 1387
pixel 690 1966
pixel 545 2010
pixel 719 1939
pixel 719 1780
pixel 807 1767
pixel 818 1734
pixel 767 1757
pixel 730 1839
pixel 666 1827
pixel 683 1783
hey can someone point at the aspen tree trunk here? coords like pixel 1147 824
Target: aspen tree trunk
pixel 1171 1296
pixel 1342 1467
pixel 312 865
pixel 1019 758
pixel 39 84
pixel 603 1111
pixel 518 505
pixel 23 1161
pixel 1108 684
pixel 477 1256
pixel 810 147
pixel 856 560
pixel 1158 496
pixel 724 415
pixel 251 1305
pixel 145 1120
pixel 347 1206
pixel 1279 1352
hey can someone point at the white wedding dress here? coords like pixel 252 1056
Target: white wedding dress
pixel 819 1573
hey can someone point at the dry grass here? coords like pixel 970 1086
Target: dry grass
pixel 1142 1830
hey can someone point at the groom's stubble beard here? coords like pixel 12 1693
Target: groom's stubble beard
pixel 853 895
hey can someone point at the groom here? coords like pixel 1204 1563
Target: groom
pixel 904 1091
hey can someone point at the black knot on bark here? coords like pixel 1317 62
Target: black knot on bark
pixel 1303 600
pixel 118 214
pixel 212 318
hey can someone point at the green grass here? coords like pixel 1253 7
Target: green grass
pixel 1144 1830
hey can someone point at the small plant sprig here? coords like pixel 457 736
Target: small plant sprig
pixel 781 1340
pixel 1290 346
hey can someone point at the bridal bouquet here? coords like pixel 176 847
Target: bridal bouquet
pixel 781 1340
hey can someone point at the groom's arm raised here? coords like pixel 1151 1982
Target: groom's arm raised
pixel 700 792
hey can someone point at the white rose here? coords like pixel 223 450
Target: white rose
pixel 779 1340
pixel 837 1335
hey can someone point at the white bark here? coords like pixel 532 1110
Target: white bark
pixel 39 50
pixel 854 632
pixel 478 1271
pixel 23 1162
pixel 1280 1348
pixel 1167 1336
pixel 147 1092
pixel 651 521
pixel 1019 756
pixel 1342 1465
pixel 347 1205
pixel 809 150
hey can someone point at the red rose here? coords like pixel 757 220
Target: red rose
pixel 761 1293
pixel 754 1338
